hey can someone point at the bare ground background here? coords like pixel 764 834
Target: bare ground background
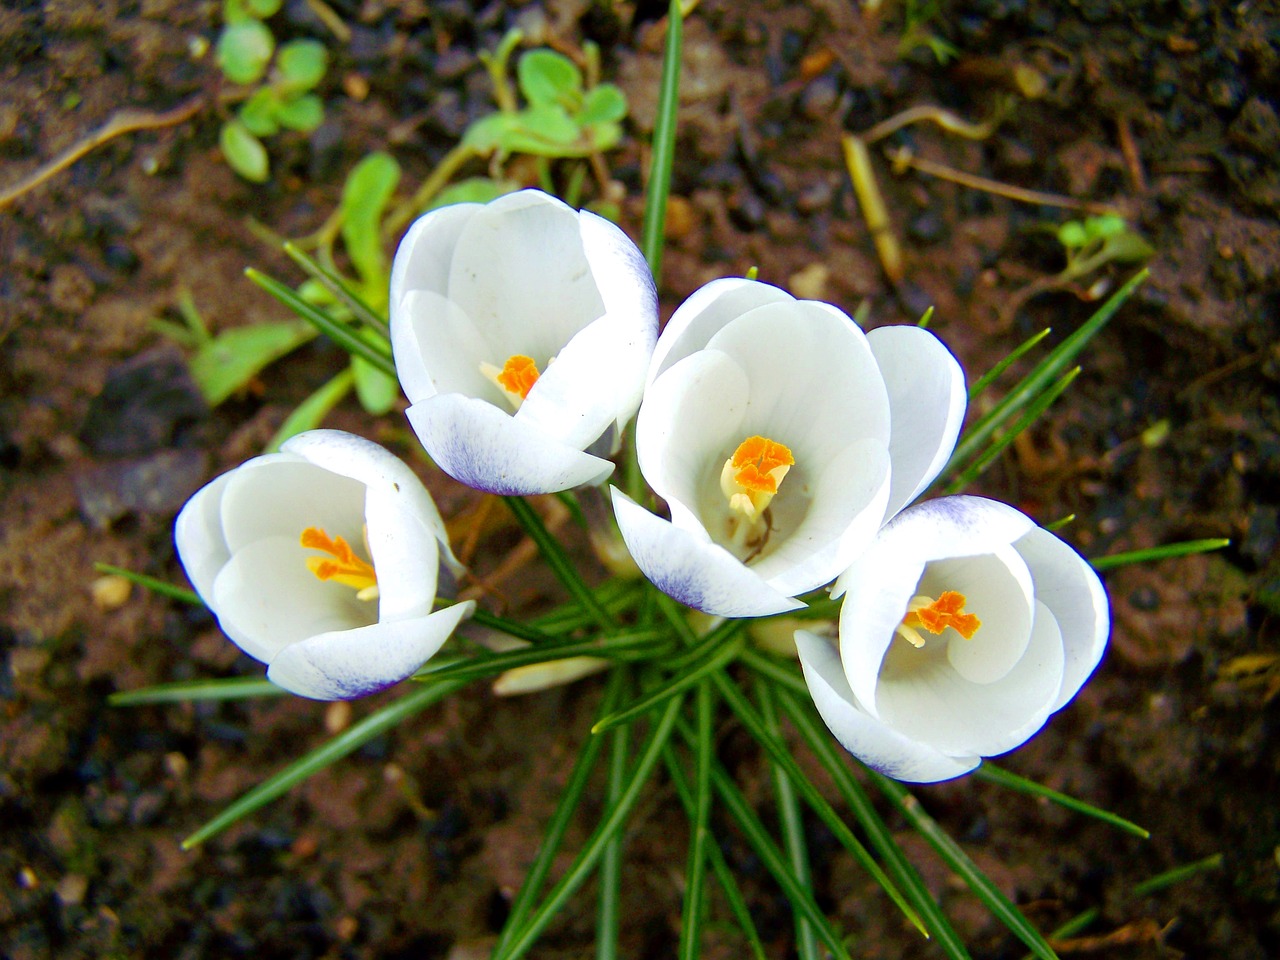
pixel 413 847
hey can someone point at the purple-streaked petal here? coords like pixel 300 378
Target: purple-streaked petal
pixel 874 743
pixel 692 569
pixel 926 406
pixel 345 664
pixel 1069 587
pixel 479 445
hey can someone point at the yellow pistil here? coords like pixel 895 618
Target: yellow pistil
pixel 935 616
pixel 751 477
pixel 342 564
pixel 515 379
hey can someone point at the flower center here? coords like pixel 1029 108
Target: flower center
pixel 341 564
pixel 925 613
pixel 751 477
pixel 515 379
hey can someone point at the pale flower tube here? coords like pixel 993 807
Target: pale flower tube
pixel 781 437
pixel 964 626
pixel 322 562
pixel 522 331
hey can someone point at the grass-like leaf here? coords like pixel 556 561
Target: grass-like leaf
pixel 793 835
pixel 340 289
pixel 558 560
pixel 1158 553
pixel 612 822
pixel 699 828
pixel 186 691
pixel 878 835
pixel 628 645
pixel 608 909
pixel 997 446
pixel 689 676
pixel 1051 368
pixel 162 587
pixel 778 752
pixel 994 774
pixel 351 739
pixel 339 333
pixel 1177 875
pixel 989 377
pixel 1001 906
pixel 658 189
pixel 536 875
pixel 773 859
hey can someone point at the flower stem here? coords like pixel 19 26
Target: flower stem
pixel 653 234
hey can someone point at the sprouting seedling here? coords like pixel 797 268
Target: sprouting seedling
pixel 281 82
pixel 1093 242
pixel 915 32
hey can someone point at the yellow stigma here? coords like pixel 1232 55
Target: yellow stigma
pixel 515 379
pixel 751 477
pixel 935 616
pixel 342 564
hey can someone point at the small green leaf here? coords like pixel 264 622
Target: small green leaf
pixel 544 131
pixel 365 195
pixel 605 136
pixel 603 104
pixel 244 151
pixel 226 364
pixel 262 8
pixel 258 114
pixel 1072 235
pixel 547 77
pixel 303 113
pixel 310 413
pixel 473 190
pixel 1128 247
pixel 302 63
pixel 377 391
pixel 244 50
pixel 1100 228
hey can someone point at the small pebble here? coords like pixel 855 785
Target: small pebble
pixel 111 592
pixel 72 888
pixel 337 716
pixel 810 283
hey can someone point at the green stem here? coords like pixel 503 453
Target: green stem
pixel 699 829
pixel 653 234
pixel 607 914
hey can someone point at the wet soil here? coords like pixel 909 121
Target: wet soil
pixel 1164 111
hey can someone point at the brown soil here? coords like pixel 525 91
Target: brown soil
pixel 413 847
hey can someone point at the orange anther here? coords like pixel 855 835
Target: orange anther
pixel 345 567
pixel 947 611
pixel 755 461
pixel 518 375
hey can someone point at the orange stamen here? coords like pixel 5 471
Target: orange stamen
pixel 947 611
pixel 755 461
pixel 344 567
pixel 518 375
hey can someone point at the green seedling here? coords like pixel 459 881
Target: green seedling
pixel 281 81
pixel 1092 243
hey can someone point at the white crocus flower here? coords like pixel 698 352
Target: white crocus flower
pixel 781 437
pixel 522 331
pixel 964 626
pixel 322 561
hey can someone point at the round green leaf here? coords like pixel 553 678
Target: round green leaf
pixel 302 63
pixel 262 8
pixel 547 77
pixel 258 114
pixel 603 104
pixel 303 113
pixel 244 151
pixel 1071 235
pixel 244 49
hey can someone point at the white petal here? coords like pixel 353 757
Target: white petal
pixel 998 590
pixel 814 384
pixel 846 504
pixel 400 499
pixel 478 444
pixel 438 349
pixel 281 494
pixel 926 406
pixel 933 704
pixel 354 663
pixel 202 548
pixel 520 273
pixel 423 259
pixel 1071 589
pixel 266 598
pixel 877 745
pixel 691 420
pixel 586 388
pixel 694 570
pixel 631 303
pixel 702 315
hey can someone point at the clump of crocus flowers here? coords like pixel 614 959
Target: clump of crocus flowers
pixel 787 447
